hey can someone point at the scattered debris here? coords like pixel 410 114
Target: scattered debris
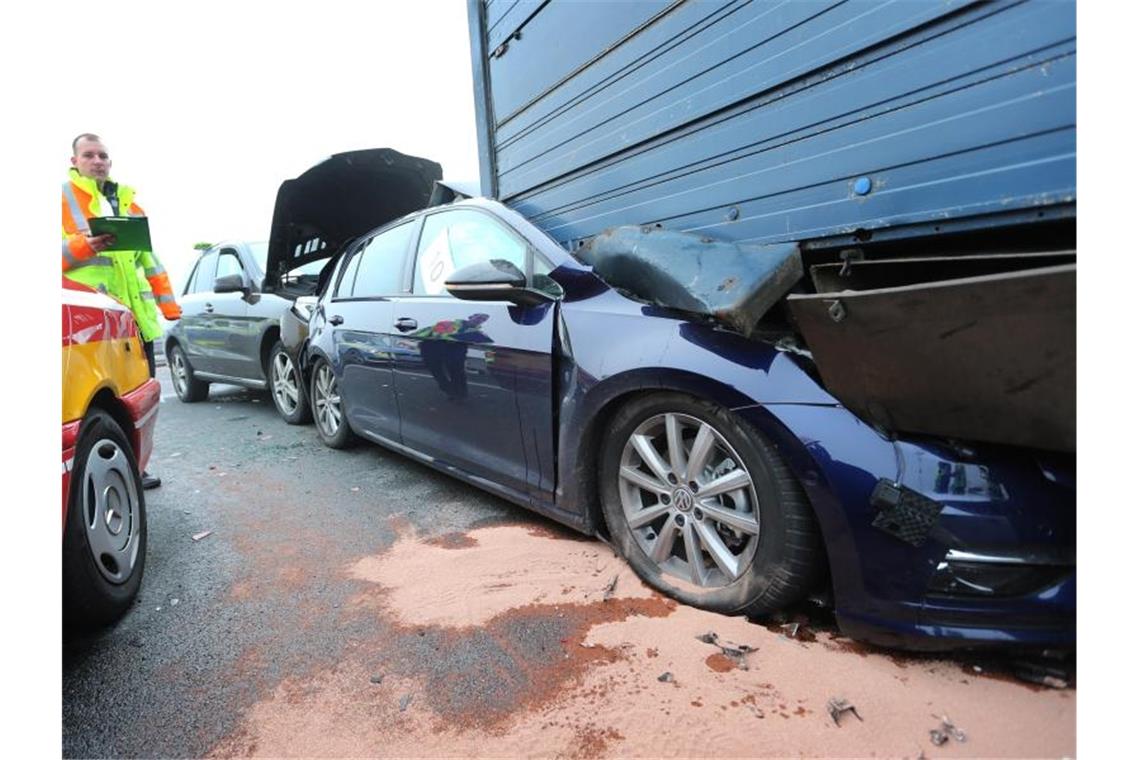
pixel 176 454
pixel 355 489
pixel 200 536
pixel 405 701
pixel 939 736
pixel 239 418
pixel 665 677
pixel 735 652
pixel 174 602
pixel 213 467
pixel 266 437
pixel 377 679
pixel 791 629
pixel 836 706
pixel 610 589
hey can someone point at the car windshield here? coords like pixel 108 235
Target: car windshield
pixel 260 251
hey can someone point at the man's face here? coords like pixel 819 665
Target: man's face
pixel 91 160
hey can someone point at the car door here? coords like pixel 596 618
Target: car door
pixel 457 363
pixel 360 313
pixel 227 322
pixel 193 322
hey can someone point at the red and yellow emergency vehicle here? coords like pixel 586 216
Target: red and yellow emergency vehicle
pixel 110 404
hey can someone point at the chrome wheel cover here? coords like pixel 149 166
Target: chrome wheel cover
pixel 689 500
pixel 111 511
pixel 286 390
pixel 326 401
pixel 179 372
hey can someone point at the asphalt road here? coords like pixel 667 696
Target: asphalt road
pixel 169 680
pixel 356 603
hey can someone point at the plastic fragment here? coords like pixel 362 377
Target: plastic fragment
pixel 200 536
pixel 836 706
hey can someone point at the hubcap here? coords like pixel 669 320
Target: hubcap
pixel 327 401
pixel 285 386
pixel 111 511
pixel 689 500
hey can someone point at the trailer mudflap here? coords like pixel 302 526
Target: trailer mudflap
pixel 987 358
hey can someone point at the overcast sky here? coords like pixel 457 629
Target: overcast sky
pixel 225 101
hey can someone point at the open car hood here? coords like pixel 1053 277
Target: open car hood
pixel 339 199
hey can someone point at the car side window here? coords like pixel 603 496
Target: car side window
pixel 202 281
pixel 381 266
pixel 455 239
pixel 228 263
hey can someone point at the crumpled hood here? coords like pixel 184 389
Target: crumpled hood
pixel 341 198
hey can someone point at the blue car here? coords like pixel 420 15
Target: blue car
pixel 719 466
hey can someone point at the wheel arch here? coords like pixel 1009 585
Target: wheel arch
pixel 268 339
pixel 607 398
pixel 106 400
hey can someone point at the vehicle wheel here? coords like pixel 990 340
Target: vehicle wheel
pixel 285 385
pixel 104 538
pixel 704 508
pixel 188 387
pixel 327 408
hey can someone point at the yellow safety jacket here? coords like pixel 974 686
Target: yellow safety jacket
pixel 136 278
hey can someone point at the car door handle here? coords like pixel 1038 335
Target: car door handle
pixel 209 308
pixel 404 324
pixel 336 319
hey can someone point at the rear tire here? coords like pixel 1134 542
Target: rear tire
pixel 746 522
pixel 104 538
pixel 328 410
pixel 189 388
pixel 286 388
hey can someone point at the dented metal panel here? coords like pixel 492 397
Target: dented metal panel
pixel 989 358
pixel 731 283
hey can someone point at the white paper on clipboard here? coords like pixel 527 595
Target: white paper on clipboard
pixel 436 264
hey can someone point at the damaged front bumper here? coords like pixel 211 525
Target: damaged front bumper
pixel 934 545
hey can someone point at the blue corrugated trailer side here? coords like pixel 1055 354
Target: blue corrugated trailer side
pixel 777 121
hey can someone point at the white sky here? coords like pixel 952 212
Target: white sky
pixel 220 112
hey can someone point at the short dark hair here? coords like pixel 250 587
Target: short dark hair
pixel 84 136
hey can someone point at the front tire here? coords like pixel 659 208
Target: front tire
pixel 328 410
pixel 104 539
pixel 188 387
pixel 285 385
pixel 704 509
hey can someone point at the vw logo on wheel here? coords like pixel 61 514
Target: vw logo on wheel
pixel 683 499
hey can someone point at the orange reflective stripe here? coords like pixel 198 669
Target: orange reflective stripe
pixel 76 250
pixel 136 210
pixel 164 295
pixel 76 209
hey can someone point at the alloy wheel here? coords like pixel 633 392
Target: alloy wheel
pixel 689 500
pixel 286 391
pixel 327 401
pixel 179 372
pixel 111 511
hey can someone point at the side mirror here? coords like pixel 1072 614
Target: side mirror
pixel 494 280
pixel 230 283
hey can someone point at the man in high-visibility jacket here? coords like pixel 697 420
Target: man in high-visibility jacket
pixel 136 278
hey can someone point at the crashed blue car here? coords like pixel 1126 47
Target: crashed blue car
pixel 713 458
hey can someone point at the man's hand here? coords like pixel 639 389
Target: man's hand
pixel 100 243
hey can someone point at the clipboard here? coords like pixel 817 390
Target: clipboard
pixel 132 233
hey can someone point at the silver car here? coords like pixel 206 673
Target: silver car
pixel 230 328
